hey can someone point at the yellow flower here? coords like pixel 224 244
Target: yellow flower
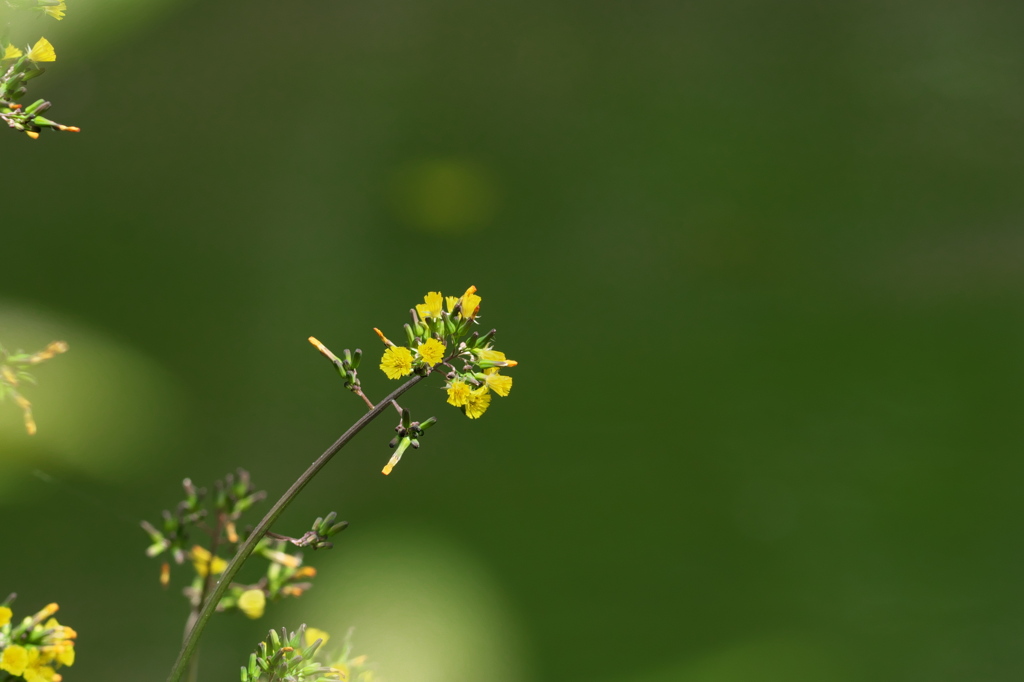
pixel 56 11
pixel 470 303
pixel 431 306
pixel 252 603
pixel 458 393
pixel 477 403
pixel 37 672
pixel 59 632
pixel 204 562
pixel 11 52
pixel 5 615
pixel 42 51
pixel 313 634
pixel 496 382
pixel 283 558
pixel 496 358
pixel 450 302
pixel 14 659
pixel 396 362
pixel 432 351
pixel 66 654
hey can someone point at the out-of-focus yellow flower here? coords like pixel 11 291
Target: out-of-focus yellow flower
pixel 304 572
pixel 432 351
pixel 205 563
pixel 37 670
pixel 45 612
pixel 477 403
pixel 431 306
pixel 56 11
pixel 42 51
pixel 252 603
pixel 313 634
pixel 54 348
pixel 283 558
pixel 396 362
pixel 14 659
pixel 5 615
pixel 58 631
pixel 11 52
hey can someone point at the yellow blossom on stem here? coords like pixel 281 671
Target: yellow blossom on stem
pixel 5 615
pixel 42 51
pixel 11 52
pixel 432 351
pixel 396 362
pixel 477 403
pixel 431 306
pixel 496 382
pixel 252 603
pixel 45 612
pixel 304 572
pixel 56 11
pixel 54 348
pixel 458 393
pixel 496 358
pixel 283 558
pixel 14 659
pixel 470 303
pixel 38 671
pixel 313 634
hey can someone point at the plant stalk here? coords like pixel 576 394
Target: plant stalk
pixel 192 639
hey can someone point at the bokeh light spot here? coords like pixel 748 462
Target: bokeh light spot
pixel 423 610
pixel 445 196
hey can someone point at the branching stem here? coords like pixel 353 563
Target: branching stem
pixel 211 601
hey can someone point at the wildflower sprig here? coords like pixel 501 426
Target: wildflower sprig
pixel 18 66
pixel 13 375
pixel 34 648
pixel 440 338
pixel 217 518
pixel 440 325
pixel 301 656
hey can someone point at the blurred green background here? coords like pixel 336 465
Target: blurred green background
pixel 760 263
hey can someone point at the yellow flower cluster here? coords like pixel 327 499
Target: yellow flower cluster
pixel 475 367
pixel 475 401
pixel 37 647
pixel 399 361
